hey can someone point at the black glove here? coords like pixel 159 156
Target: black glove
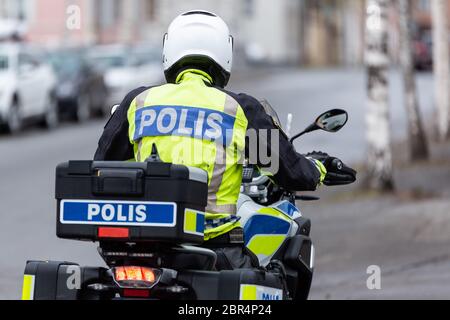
pixel 337 172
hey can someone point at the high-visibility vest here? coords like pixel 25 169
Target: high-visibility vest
pixel 194 124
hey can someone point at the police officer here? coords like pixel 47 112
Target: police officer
pixel 193 114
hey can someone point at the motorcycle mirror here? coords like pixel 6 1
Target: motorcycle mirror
pixel 332 121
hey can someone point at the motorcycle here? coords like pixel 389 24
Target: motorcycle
pixel 148 219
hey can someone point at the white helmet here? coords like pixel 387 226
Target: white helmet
pixel 198 39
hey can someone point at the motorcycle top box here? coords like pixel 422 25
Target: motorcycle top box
pixel 130 201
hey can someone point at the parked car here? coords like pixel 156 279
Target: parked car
pixel 423 51
pixel 27 86
pixel 126 68
pixel 81 90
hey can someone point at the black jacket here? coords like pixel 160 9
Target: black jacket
pixel 295 171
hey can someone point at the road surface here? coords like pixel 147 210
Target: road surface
pixel 28 161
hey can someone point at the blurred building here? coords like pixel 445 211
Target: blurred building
pixel 422 16
pixel 422 13
pixel 52 22
pixel 332 31
pixel 309 32
pixel 422 27
pixel 146 20
pixel 13 14
pixel 264 30
pixel 16 9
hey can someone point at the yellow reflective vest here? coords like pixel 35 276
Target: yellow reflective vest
pixel 194 124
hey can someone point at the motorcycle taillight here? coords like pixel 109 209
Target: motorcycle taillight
pixel 134 277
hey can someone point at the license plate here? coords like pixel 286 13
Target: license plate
pixel 121 213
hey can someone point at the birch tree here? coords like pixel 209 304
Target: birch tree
pixel 377 114
pixel 418 147
pixel 441 66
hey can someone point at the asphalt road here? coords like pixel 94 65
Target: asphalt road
pixel 407 240
pixel 28 161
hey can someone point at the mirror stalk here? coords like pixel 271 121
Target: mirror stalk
pixel 312 127
pixel 330 121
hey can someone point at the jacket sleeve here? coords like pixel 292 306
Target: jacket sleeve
pixel 114 144
pixel 295 172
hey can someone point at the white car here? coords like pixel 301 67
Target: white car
pixel 27 86
pixel 125 69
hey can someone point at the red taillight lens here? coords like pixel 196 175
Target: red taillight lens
pixel 120 274
pixel 149 275
pixel 106 232
pixel 136 277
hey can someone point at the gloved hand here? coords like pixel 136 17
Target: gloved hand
pixel 337 172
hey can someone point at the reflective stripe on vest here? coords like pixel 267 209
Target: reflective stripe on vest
pixel 230 108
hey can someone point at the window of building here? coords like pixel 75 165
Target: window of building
pixel 424 5
pixel 109 12
pixel 117 9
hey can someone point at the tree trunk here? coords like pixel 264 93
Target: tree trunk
pixel 380 175
pixel 441 66
pixel 418 147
